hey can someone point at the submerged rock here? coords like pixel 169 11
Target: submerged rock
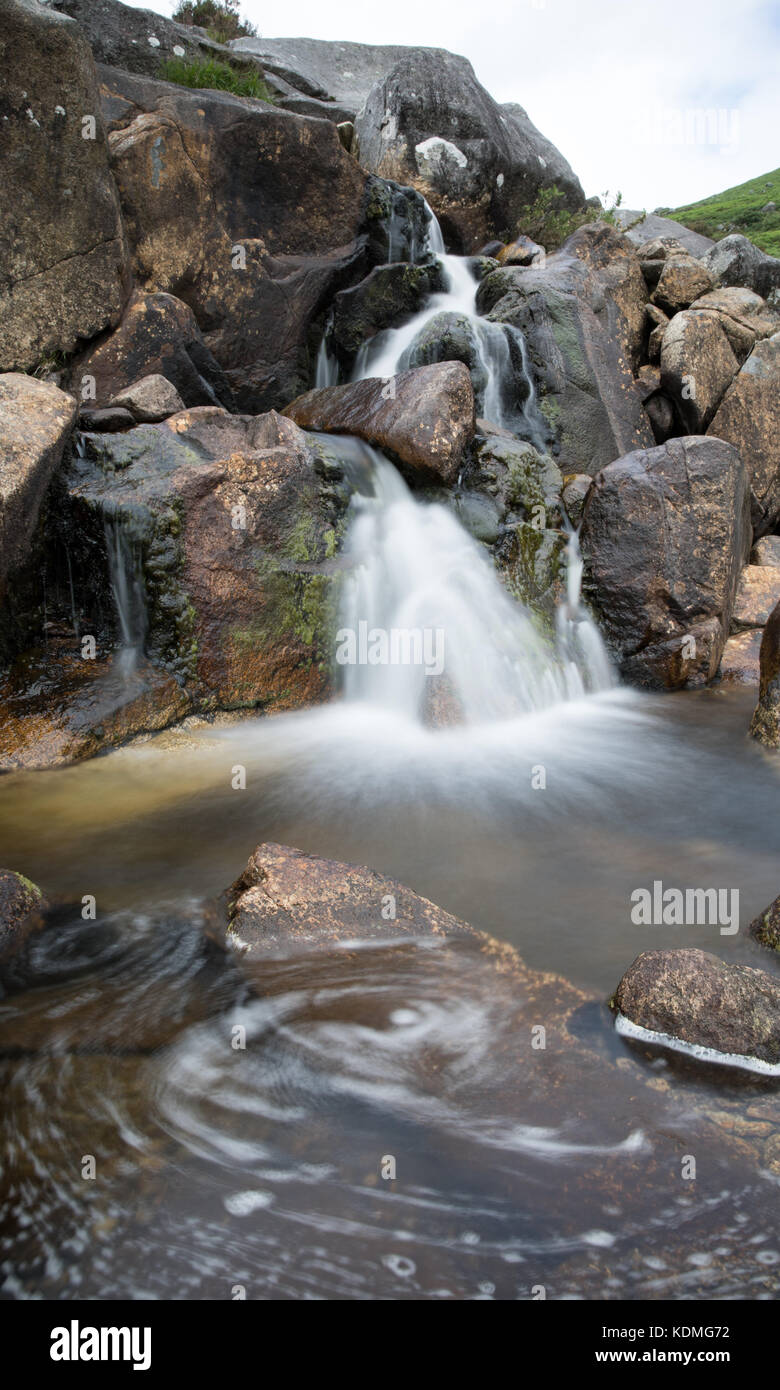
pixel 665 535
pixel 63 257
pixel 36 419
pixel 20 903
pixel 425 416
pixel 765 725
pixel 693 997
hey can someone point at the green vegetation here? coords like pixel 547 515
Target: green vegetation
pixel 217 76
pixel 548 221
pixel 738 209
pixel 220 18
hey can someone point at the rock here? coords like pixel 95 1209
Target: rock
pixel 35 422
pixel 741 309
pixel 529 481
pixel 765 928
pixel 757 595
pixel 210 186
pixel 582 316
pixel 655 342
pixel 106 421
pixel 20 905
pixel 694 997
pixel 425 417
pixel 63 257
pixel 346 130
pixel 521 251
pixel 697 367
pixel 449 337
pixel 737 261
pixel 740 663
pixel 330 70
pixel 765 724
pixel 682 280
pixel 429 123
pixel 141 40
pixel 389 296
pixel 575 489
pixel 151 399
pixel 749 417
pixel 665 534
pixel 286 901
pixel 766 551
pixel 664 421
pixel 235 522
pixel 158 336
pixel 651 227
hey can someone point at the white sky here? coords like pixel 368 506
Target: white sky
pixel 615 84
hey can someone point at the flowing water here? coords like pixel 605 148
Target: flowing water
pixel 373 1122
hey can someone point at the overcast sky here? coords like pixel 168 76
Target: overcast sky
pixel 620 87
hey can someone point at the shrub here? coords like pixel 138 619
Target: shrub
pixel 220 18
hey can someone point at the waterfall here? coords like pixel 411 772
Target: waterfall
pixel 326 372
pixel 127 588
pixel 422 601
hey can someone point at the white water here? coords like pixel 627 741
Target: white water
pixel 413 568
pixel 129 598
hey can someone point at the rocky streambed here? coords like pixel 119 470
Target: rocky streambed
pixel 375 976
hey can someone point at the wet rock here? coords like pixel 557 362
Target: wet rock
pixel 286 900
pixel 765 724
pixel 149 400
pixel 63 258
pixel 765 928
pixel 20 905
pixel 388 297
pixel 106 421
pixel 766 551
pixel 528 480
pixel 521 251
pixel 749 417
pixel 425 417
pixel 696 998
pixel 697 367
pixel 158 336
pixel 35 422
pixel 758 593
pixel 449 337
pixel 583 318
pixel 737 261
pixel 429 123
pixel 682 280
pixel 741 658
pixel 210 186
pixel 665 535
pixel 576 487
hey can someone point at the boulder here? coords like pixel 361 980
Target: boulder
pixel 288 901
pixel 682 280
pixel 63 257
pixel 758 593
pixel 740 311
pixel 36 419
pixel 429 123
pixel 106 420
pixel 210 186
pixel 749 417
pixel 582 316
pixel 233 525
pixel 450 337
pixel 737 261
pixel 765 928
pixel 740 663
pixel 575 490
pixel 693 997
pixel 158 336
pixel 665 534
pixel 697 367
pixel 650 227
pixel 141 41
pixel 329 70
pixel 425 417
pixel 766 551
pixel 521 251
pixel 151 399
pixel 765 724
pixel 20 905
pixel 388 297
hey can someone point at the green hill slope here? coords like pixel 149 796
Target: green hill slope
pixel 738 210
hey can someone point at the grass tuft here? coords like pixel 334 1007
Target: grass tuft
pixel 213 75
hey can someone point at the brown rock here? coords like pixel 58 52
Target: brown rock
pixel 749 417
pixel 35 422
pixel 766 551
pixel 741 657
pixel 765 928
pixel 63 258
pixel 151 399
pixel 682 280
pixel 665 535
pixel 742 307
pixel 697 998
pixel 521 251
pixel 765 724
pixel 757 595
pixel 20 905
pixel 425 417
pixel 697 367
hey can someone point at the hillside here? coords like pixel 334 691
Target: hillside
pixel 738 209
